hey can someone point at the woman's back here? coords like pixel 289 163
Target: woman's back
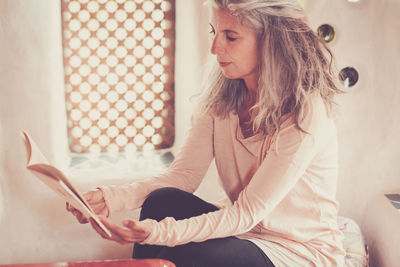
pixel 293 178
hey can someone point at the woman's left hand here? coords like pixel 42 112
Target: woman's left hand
pixel 132 232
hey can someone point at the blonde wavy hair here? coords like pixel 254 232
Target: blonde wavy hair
pixel 294 63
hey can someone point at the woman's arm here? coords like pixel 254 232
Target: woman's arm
pixel 281 169
pixel 186 172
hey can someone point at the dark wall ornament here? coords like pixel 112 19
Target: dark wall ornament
pixel 326 32
pixel 358 3
pixel 348 76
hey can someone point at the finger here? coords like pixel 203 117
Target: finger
pixel 97 228
pixel 113 237
pixel 69 207
pixel 140 233
pixel 120 232
pixel 80 217
pixel 94 196
pixel 132 233
pixel 88 195
pixel 100 209
pixel 98 206
pixel 128 224
pixel 111 226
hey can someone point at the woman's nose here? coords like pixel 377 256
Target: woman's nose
pixel 216 46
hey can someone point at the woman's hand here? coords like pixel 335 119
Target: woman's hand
pixel 134 231
pixel 96 201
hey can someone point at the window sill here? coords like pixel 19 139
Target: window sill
pixel 88 170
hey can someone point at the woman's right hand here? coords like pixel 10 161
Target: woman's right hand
pixel 96 201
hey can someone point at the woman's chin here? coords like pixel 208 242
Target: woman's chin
pixel 229 75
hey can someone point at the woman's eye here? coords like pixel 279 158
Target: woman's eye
pixel 231 38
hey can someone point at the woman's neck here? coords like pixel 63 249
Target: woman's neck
pixel 252 90
pixel 251 83
pixel 246 116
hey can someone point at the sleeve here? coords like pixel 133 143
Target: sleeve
pixel 186 171
pixel 286 161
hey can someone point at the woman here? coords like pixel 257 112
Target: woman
pixel 266 118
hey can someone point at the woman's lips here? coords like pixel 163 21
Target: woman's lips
pixel 224 64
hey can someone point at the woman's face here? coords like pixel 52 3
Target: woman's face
pixel 235 47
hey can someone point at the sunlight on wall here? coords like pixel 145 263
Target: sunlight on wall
pixel 303 2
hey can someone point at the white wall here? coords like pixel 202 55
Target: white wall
pixel 34 227
pixel 31 89
pixel 33 224
pixel 368 38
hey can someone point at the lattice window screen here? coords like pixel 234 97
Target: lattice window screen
pixel 118 62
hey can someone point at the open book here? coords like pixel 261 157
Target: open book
pixel 57 181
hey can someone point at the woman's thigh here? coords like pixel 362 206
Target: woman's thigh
pixel 173 202
pixel 169 202
pixel 229 251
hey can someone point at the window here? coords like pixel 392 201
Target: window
pixel 118 64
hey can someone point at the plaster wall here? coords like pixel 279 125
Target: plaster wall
pixel 368 39
pixel 34 226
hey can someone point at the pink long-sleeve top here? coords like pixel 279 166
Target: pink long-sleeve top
pixel 282 189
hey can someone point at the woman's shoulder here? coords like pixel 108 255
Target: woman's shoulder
pixel 201 116
pixel 313 110
pixel 317 106
pixel 315 115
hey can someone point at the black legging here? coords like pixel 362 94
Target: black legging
pixel 220 252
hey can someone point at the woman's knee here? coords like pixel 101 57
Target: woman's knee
pixel 173 202
pixel 161 196
pixel 159 201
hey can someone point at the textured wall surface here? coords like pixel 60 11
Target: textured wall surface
pixel 368 39
pixel 34 226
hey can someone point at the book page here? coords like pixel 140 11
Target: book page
pixel 57 181
pixel 34 155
